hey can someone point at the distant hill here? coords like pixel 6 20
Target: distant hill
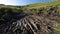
pixel 2 5
pixel 44 4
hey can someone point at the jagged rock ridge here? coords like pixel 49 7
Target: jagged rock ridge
pixel 29 25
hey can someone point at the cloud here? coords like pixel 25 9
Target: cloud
pixel 7 2
pixel 13 2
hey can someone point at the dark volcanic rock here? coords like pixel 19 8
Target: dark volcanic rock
pixel 29 25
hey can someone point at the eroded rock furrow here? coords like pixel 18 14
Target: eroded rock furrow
pixel 31 24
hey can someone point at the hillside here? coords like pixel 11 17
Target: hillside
pixel 44 4
pixel 39 18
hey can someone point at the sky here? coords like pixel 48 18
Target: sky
pixel 21 2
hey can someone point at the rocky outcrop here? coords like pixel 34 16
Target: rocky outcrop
pixel 31 24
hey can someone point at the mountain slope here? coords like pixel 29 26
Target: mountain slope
pixel 34 18
pixel 44 4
